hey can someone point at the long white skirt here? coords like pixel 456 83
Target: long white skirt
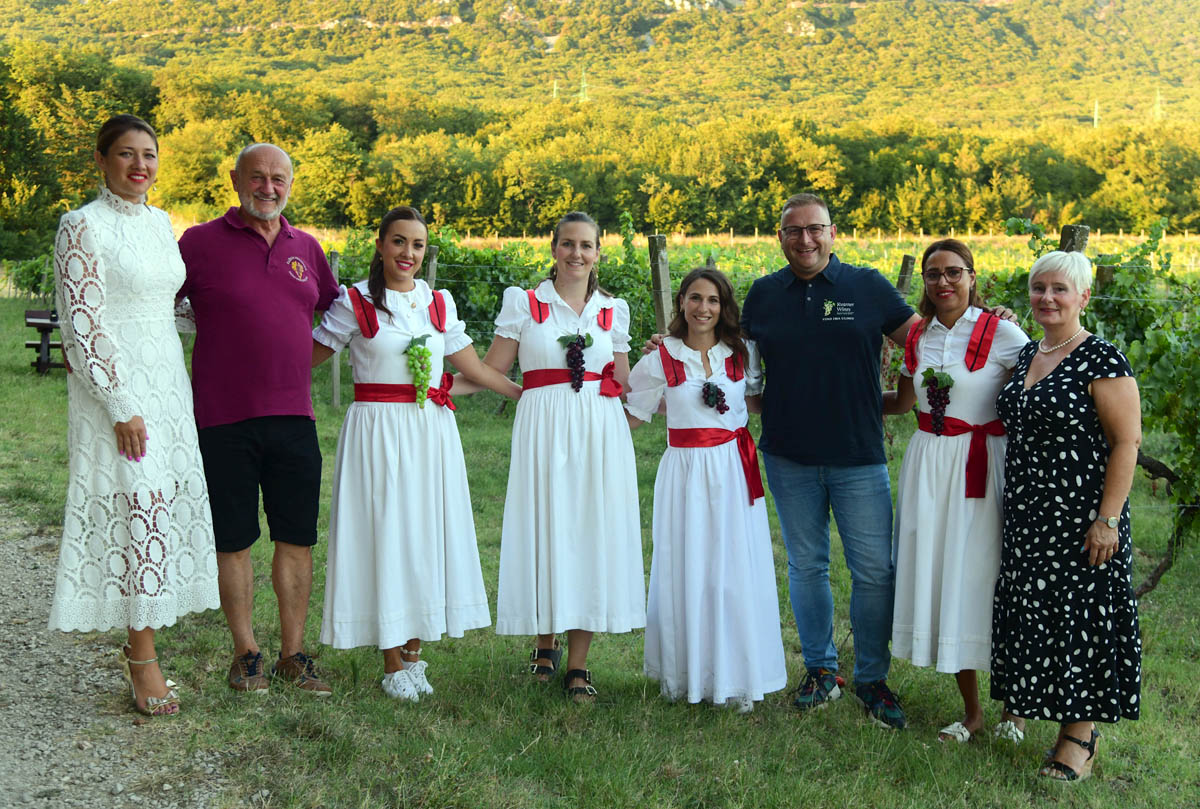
pixel 947 554
pixel 403 562
pixel 571 547
pixel 713 629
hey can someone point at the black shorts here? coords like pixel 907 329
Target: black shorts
pixel 280 454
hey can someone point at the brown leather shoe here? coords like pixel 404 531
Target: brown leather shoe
pixel 247 673
pixel 301 672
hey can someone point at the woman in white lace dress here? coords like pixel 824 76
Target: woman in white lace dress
pixel 137 548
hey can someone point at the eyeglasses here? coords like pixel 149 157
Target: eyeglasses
pixel 953 274
pixel 794 231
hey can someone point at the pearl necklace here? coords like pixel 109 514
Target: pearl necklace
pixel 1042 343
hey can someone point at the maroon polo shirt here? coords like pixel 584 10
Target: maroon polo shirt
pixel 254 307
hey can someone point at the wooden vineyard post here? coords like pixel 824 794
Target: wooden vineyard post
pixel 903 284
pixel 1074 238
pixel 335 370
pixel 660 281
pixel 431 266
pixel 904 280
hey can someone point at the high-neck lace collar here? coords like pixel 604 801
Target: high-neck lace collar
pixel 120 204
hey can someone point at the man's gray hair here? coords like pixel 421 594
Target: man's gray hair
pixel 237 166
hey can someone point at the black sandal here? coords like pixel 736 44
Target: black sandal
pixel 579 693
pixel 1057 771
pixel 547 672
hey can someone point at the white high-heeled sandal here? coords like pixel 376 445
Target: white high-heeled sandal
pixel 155 706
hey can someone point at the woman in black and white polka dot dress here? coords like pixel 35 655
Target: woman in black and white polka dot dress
pixel 1065 642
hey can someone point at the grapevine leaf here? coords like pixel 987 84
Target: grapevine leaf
pixel 418 341
pixel 939 379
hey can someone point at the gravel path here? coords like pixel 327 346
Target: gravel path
pixel 68 736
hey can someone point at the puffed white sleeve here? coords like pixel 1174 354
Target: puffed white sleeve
pixel 620 329
pixel 754 372
pixel 81 293
pixel 514 314
pixel 647 384
pixel 338 325
pixel 1007 343
pixel 456 337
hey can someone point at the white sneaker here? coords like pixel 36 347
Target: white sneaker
pixel 416 673
pixel 398 685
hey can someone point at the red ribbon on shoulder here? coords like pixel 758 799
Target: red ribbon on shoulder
pixel 364 313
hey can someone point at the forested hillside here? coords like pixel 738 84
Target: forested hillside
pixel 690 114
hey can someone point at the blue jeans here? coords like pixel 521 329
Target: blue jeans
pixel 861 499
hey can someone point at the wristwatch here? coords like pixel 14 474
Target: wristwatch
pixel 1111 522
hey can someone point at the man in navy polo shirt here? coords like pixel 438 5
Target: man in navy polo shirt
pixel 819 325
pixel 253 284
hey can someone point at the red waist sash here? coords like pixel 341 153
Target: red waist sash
pixel 378 392
pixel 541 377
pixel 977 454
pixel 714 437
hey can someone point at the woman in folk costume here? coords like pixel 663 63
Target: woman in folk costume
pixel 948 504
pixel 403 566
pixel 571 550
pixel 712 629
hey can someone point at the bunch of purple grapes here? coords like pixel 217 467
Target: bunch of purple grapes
pixel 713 396
pixel 575 362
pixel 939 398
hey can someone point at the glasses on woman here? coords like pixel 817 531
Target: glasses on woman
pixel 953 274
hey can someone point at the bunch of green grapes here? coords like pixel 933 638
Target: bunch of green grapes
pixel 420 366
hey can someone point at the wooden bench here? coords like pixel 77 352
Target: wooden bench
pixel 45 321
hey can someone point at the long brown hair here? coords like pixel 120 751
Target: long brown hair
pixel 376 283
pixel 728 329
pixel 593 277
pixel 925 307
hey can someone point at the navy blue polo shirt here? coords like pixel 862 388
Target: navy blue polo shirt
pixel 820 343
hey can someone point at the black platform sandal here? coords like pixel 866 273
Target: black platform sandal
pixel 579 693
pixel 1057 771
pixel 545 674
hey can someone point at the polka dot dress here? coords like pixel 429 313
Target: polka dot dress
pixel 1065 642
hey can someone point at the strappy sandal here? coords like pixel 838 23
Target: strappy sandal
pixel 579 693
pixel 542 673
pixel 155 706
pixel 1058 771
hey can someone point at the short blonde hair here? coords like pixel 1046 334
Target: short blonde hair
pixel 1076 267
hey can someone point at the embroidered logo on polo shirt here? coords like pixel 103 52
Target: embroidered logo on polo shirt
pixel 838 310
pixel 297 269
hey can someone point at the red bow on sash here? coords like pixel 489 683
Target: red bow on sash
pixel 977 454
pixel 713 437
pixel 381 392
pixel 541 377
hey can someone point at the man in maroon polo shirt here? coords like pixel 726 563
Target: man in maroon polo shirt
pixel 253 284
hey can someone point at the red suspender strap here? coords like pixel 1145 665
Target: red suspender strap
pixel 735 369
pixel 981 341
pixel 437 311
pixel 538 310
pixel 910 346
pixel 672 368
pixel 364 313
pixel 604 318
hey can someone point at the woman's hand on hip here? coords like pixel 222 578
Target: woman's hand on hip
pixel 131 438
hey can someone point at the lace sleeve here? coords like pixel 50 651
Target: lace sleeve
pixel 80 282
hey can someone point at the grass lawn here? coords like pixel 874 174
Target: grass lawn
pixel 489 737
